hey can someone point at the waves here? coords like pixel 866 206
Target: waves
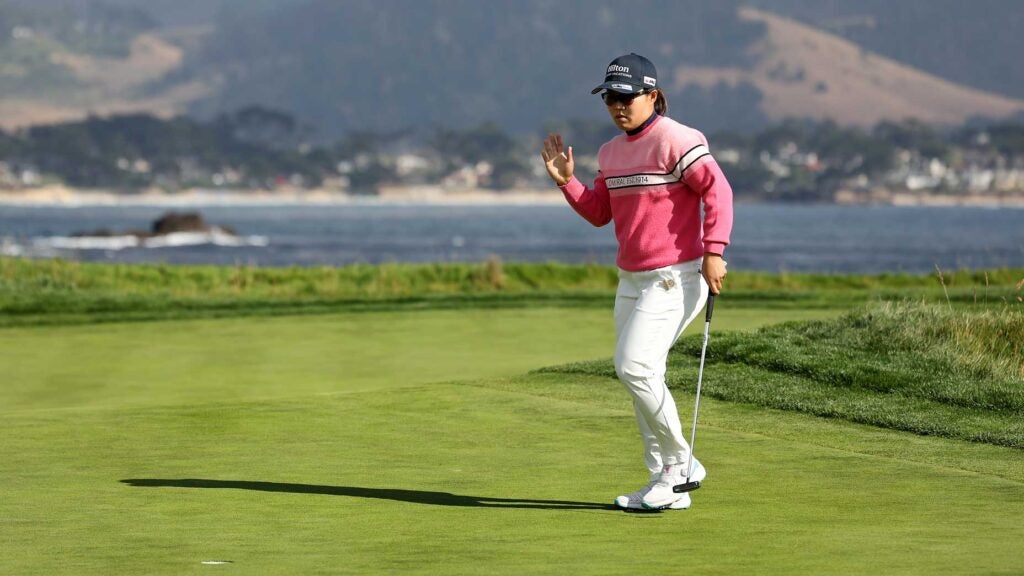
pixel 53 245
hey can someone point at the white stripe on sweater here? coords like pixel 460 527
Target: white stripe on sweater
pixel 630 180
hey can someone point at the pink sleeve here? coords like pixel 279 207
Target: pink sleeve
pixel 707 179
pixel 594 204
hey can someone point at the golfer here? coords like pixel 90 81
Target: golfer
pixel 652 181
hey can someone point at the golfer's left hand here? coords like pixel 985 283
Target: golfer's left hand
pixel 714 272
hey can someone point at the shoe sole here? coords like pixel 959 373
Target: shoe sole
pixel 642 509
pixel 639 510
pixel 648 508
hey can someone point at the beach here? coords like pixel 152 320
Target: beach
pixel 58 195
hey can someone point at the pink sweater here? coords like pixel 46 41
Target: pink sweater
pixel 652 185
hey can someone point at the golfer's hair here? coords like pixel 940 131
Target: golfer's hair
pixel 661 104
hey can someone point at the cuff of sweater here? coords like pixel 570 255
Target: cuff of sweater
pixel 715 248
pixel 573 188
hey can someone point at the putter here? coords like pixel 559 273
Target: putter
pixel 691 486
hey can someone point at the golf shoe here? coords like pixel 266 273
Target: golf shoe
pixel 635 500
pixel 660 494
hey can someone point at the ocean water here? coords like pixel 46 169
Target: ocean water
pixel 766 237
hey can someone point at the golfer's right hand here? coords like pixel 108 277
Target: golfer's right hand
pixel 559 164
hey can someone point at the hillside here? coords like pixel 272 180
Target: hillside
pixel 803 72
pixel 105 85
pixel 387 65
pixel 969 43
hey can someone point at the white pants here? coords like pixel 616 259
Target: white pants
pixel 651 310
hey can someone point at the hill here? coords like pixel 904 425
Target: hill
pixel 104 85
pixel 804 72
pixel 389 65
pixel 61 61
pixel 970 43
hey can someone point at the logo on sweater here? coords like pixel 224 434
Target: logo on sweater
pixel 638 180
pixel 641 180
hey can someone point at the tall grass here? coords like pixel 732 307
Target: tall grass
pixel 360 280
pixel 985 343
pixel 929 368
pixel 55 291
pixel 389 280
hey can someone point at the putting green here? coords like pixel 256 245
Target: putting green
pixel 197 361
pixel 510 476
pixel 299 446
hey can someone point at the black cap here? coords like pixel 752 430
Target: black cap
pixel 629 74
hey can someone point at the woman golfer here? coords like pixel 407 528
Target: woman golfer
pixel 653 179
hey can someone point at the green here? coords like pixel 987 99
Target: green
pixel 425 438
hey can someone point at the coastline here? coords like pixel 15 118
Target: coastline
pixel 64 196
pixel 883 197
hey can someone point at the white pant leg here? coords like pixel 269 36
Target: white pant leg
pixel 625 302
pixel 652 309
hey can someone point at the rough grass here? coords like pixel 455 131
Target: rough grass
pixel 354 281
pixel 56 291
pixel 60 292
pixel 919 367
pixel 984 344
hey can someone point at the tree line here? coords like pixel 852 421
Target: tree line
pixel 259 148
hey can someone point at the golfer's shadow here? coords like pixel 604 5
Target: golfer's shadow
pixel 413 496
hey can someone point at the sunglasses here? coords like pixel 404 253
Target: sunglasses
pixel 611 98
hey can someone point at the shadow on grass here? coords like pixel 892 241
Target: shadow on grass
pixel 413 496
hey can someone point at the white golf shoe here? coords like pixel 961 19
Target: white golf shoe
pixel 635 500
pixel 660 494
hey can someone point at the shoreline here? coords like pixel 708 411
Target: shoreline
pixel 903 198
pixel 62 196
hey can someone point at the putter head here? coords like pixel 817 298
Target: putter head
pixel 686 487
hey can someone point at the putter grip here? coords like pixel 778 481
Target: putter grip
pixel 709 307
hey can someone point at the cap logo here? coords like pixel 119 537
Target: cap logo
pixel 627 87
pixel 650 81
pixel 617 68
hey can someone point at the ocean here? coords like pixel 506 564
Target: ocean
pixel 766 237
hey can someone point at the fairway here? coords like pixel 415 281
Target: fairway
pixel 416 443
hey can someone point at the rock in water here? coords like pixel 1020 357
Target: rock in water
pixel 172 222
pixel 187 223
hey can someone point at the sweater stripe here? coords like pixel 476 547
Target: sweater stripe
pixel 696 153
pixel 632 180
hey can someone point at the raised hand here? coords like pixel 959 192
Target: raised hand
pixel 560 165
